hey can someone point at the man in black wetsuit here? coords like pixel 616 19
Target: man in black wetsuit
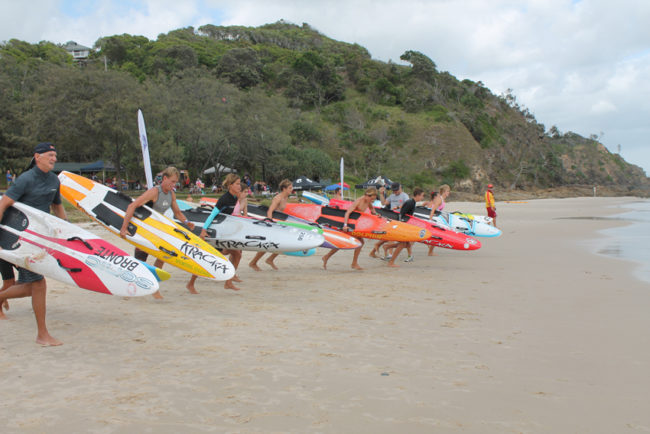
pixel 37 187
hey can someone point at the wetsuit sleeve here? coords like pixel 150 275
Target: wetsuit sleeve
pixel 18 188
pixel 210 218
pixel 407 209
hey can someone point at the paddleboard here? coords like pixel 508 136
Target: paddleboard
pixel 457 223
pixel 315 198
pixel 333 239
pixel 57 249
pixel 360 224
pixel 479 218
pixel 440 237
pixel 148 230
pixel 241 233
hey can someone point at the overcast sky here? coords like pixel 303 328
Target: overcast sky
pixel 581 65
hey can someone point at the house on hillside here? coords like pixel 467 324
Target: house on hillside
pixel 78 52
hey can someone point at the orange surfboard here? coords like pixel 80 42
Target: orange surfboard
pixel 361 224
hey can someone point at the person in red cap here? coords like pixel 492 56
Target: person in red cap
pixel 490 206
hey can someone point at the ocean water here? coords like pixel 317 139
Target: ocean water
pixel 632 241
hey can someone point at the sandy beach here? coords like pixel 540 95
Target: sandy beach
pixel 533 333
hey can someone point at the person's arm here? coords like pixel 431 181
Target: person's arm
pixel 59 211
pixel 349 211
pixel 243 203
pixel 5 202
pixel 274 205
pixel 435 203
pixel 208 222
pixel 179 214
pixel 151 194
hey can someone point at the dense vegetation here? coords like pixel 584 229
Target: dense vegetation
pixel 281 101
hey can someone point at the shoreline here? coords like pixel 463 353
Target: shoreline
pixel 531 333
pixel 627 239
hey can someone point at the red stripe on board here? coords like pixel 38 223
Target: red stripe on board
pixel 86 279
pixel 97 244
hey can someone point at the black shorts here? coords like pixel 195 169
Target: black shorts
pixel 26 276
pixel 140 255
pixel 6 270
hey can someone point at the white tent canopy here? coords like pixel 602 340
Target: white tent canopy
pixel 221 169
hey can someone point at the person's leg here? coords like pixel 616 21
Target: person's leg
pixel 4 304
pixel 355 257
pixel 158 264
pixel 235 257
pixel 327 257
pixel 409 250
pixel 375 248
pixel 38 290
pixel 17 290
pixel 253 262
pixel 270 260
pixel 190 285
pixel 396 253
pixel 387 248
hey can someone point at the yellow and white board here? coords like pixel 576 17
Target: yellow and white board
pixel 148 230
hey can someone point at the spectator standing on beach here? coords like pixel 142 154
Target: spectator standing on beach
pixel 163 197
pixel 490 205
pixel 38 187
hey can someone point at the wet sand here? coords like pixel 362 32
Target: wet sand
pixel 531 333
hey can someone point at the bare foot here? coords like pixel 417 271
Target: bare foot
pixel 254 266
pixel 432 254
pixel 271 264
pixel 372 253
pixel 356 267
pixel 236 279
pixel 48 341
pixel 325 262
pixel 230 285
pixel 157 295
pixel 190 287
pixel 393 265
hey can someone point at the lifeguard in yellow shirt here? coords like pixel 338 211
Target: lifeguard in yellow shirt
pixel 489 205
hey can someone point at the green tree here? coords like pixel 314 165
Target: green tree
pixel 241 67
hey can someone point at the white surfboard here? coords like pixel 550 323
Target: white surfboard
pixel 57 249
pixel 240 233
